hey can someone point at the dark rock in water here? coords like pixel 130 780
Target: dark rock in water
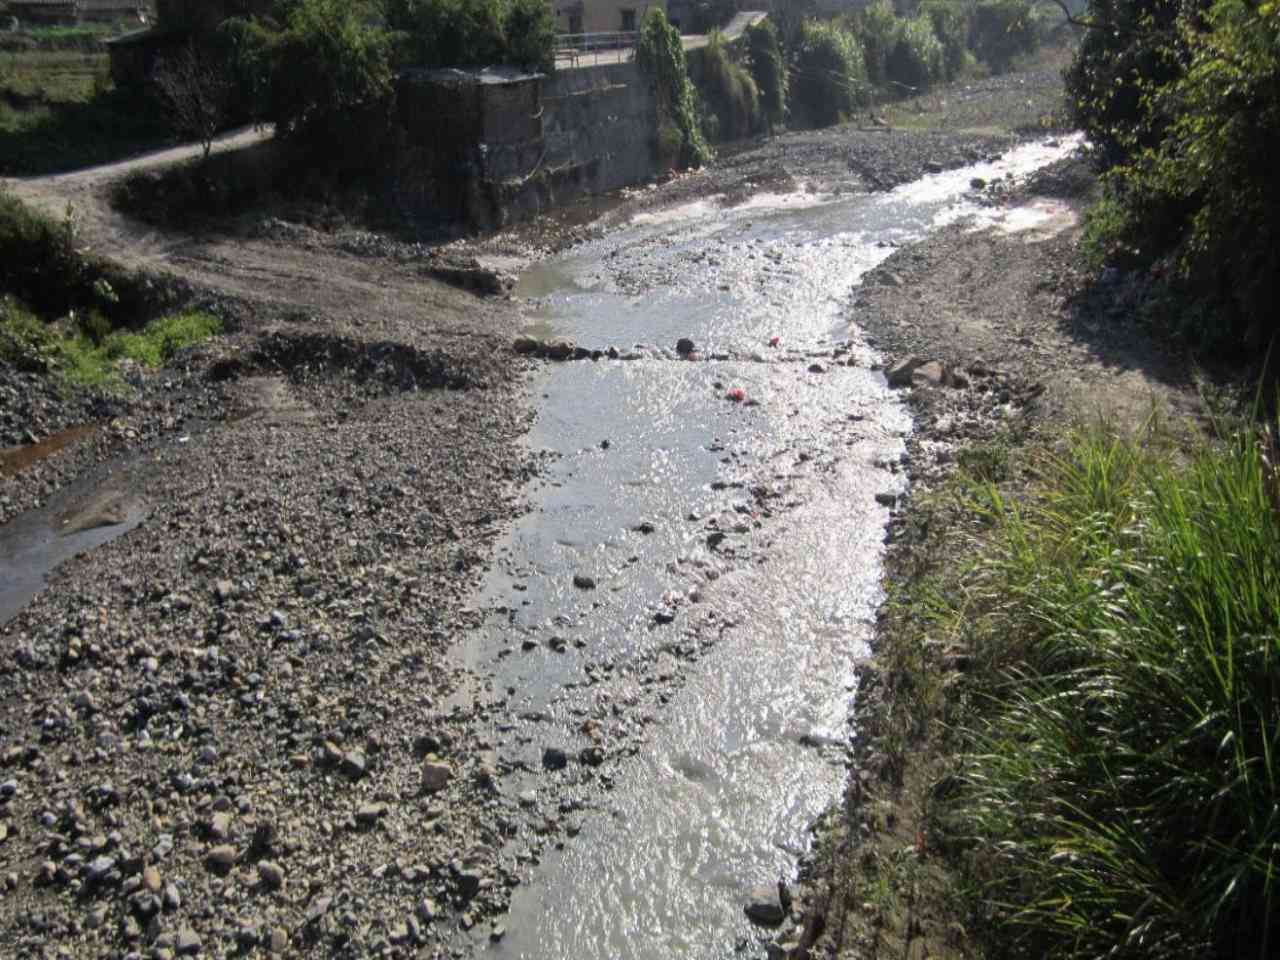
pixel 644 527
pixel 583 582
pixel 553 758
pixel 526 345
pixel 560 349
pixel 684 346
pixel 977 183
pixel 932 166
pixel 765 907
pixel 817 368
pixel 591 756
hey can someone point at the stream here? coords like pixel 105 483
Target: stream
pixel 700 571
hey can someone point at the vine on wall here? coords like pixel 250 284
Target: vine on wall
pixel 660 54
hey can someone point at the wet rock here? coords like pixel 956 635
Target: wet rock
pixel 817 368
pixel 526 345
pixel 644 527
pixel 977 183
pixel 560 349
pixel 764 906
pixel 584 582
pixel 591 756
pixel 886 498
pixel 932 166
pixel 553 758
pixel 899 373
pixel 684 346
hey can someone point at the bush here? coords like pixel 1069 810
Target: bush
pixel 1120 771
pixel 950 21
pixel 324 80
pixel 38 259
pixel 877 30
pixel 1001 31
pixel 660 54
pixel 916 60
pixel 1141 47
pixel 474 33
pixel 830 77
pixel 768 70
pixel 731 102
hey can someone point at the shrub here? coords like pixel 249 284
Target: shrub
pixel 324 80
pixel 830 77
pixel 1121 769
pixel 39 263
pixel 1001 31
pixel 729 96
pixel 769 70
pixel 916 60
pixel 660 54
pixel 877 30
pixel 950 21
pixel 474 33
pixel 1138 45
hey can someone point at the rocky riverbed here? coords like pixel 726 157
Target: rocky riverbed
pixel 243 724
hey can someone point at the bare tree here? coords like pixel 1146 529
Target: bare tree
pixel 197 91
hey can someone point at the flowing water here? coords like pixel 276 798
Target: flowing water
pixel 735 544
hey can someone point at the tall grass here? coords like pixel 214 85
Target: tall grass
pixel 1121 794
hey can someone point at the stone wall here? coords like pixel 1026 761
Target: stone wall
pixel 487 150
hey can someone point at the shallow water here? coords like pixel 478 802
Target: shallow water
pixel 720 795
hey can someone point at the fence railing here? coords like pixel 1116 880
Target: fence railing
pixel 574 48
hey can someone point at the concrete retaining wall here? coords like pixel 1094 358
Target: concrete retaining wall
pixel 493 152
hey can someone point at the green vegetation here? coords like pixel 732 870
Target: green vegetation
pixel 1117 789
pixel 768 70
pixel 77 351
pixel 1001 31
pixel 59 111
pixel 829 75
pixel 1184 100
pixel 469 33
pixel 660 54
pixel 728 95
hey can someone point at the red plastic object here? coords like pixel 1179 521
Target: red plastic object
pixel 737 395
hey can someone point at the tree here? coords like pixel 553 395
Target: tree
pixel 198 93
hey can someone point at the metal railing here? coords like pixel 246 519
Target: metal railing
pixel 574 48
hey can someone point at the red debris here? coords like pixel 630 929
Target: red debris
pixel 774 341
pixel 737 395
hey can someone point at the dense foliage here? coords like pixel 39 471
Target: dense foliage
pixel 1120 770
pixel 769 70
pixel 729 97
pixel 829 75
pixel 916 60
pixel 1002 30
pixel 1190 127
pixel 470 33
pixel 324 79
pixel 660 54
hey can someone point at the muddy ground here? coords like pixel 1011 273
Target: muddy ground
pixel 232 727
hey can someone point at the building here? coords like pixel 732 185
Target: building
pixel 601 16
pixel 50 12
pixel 78 11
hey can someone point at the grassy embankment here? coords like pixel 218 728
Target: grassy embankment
pixel 1085 669
pixel 59 109
pixel 72 316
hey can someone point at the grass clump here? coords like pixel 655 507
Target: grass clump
pixel 1120 791
pixel 83 351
